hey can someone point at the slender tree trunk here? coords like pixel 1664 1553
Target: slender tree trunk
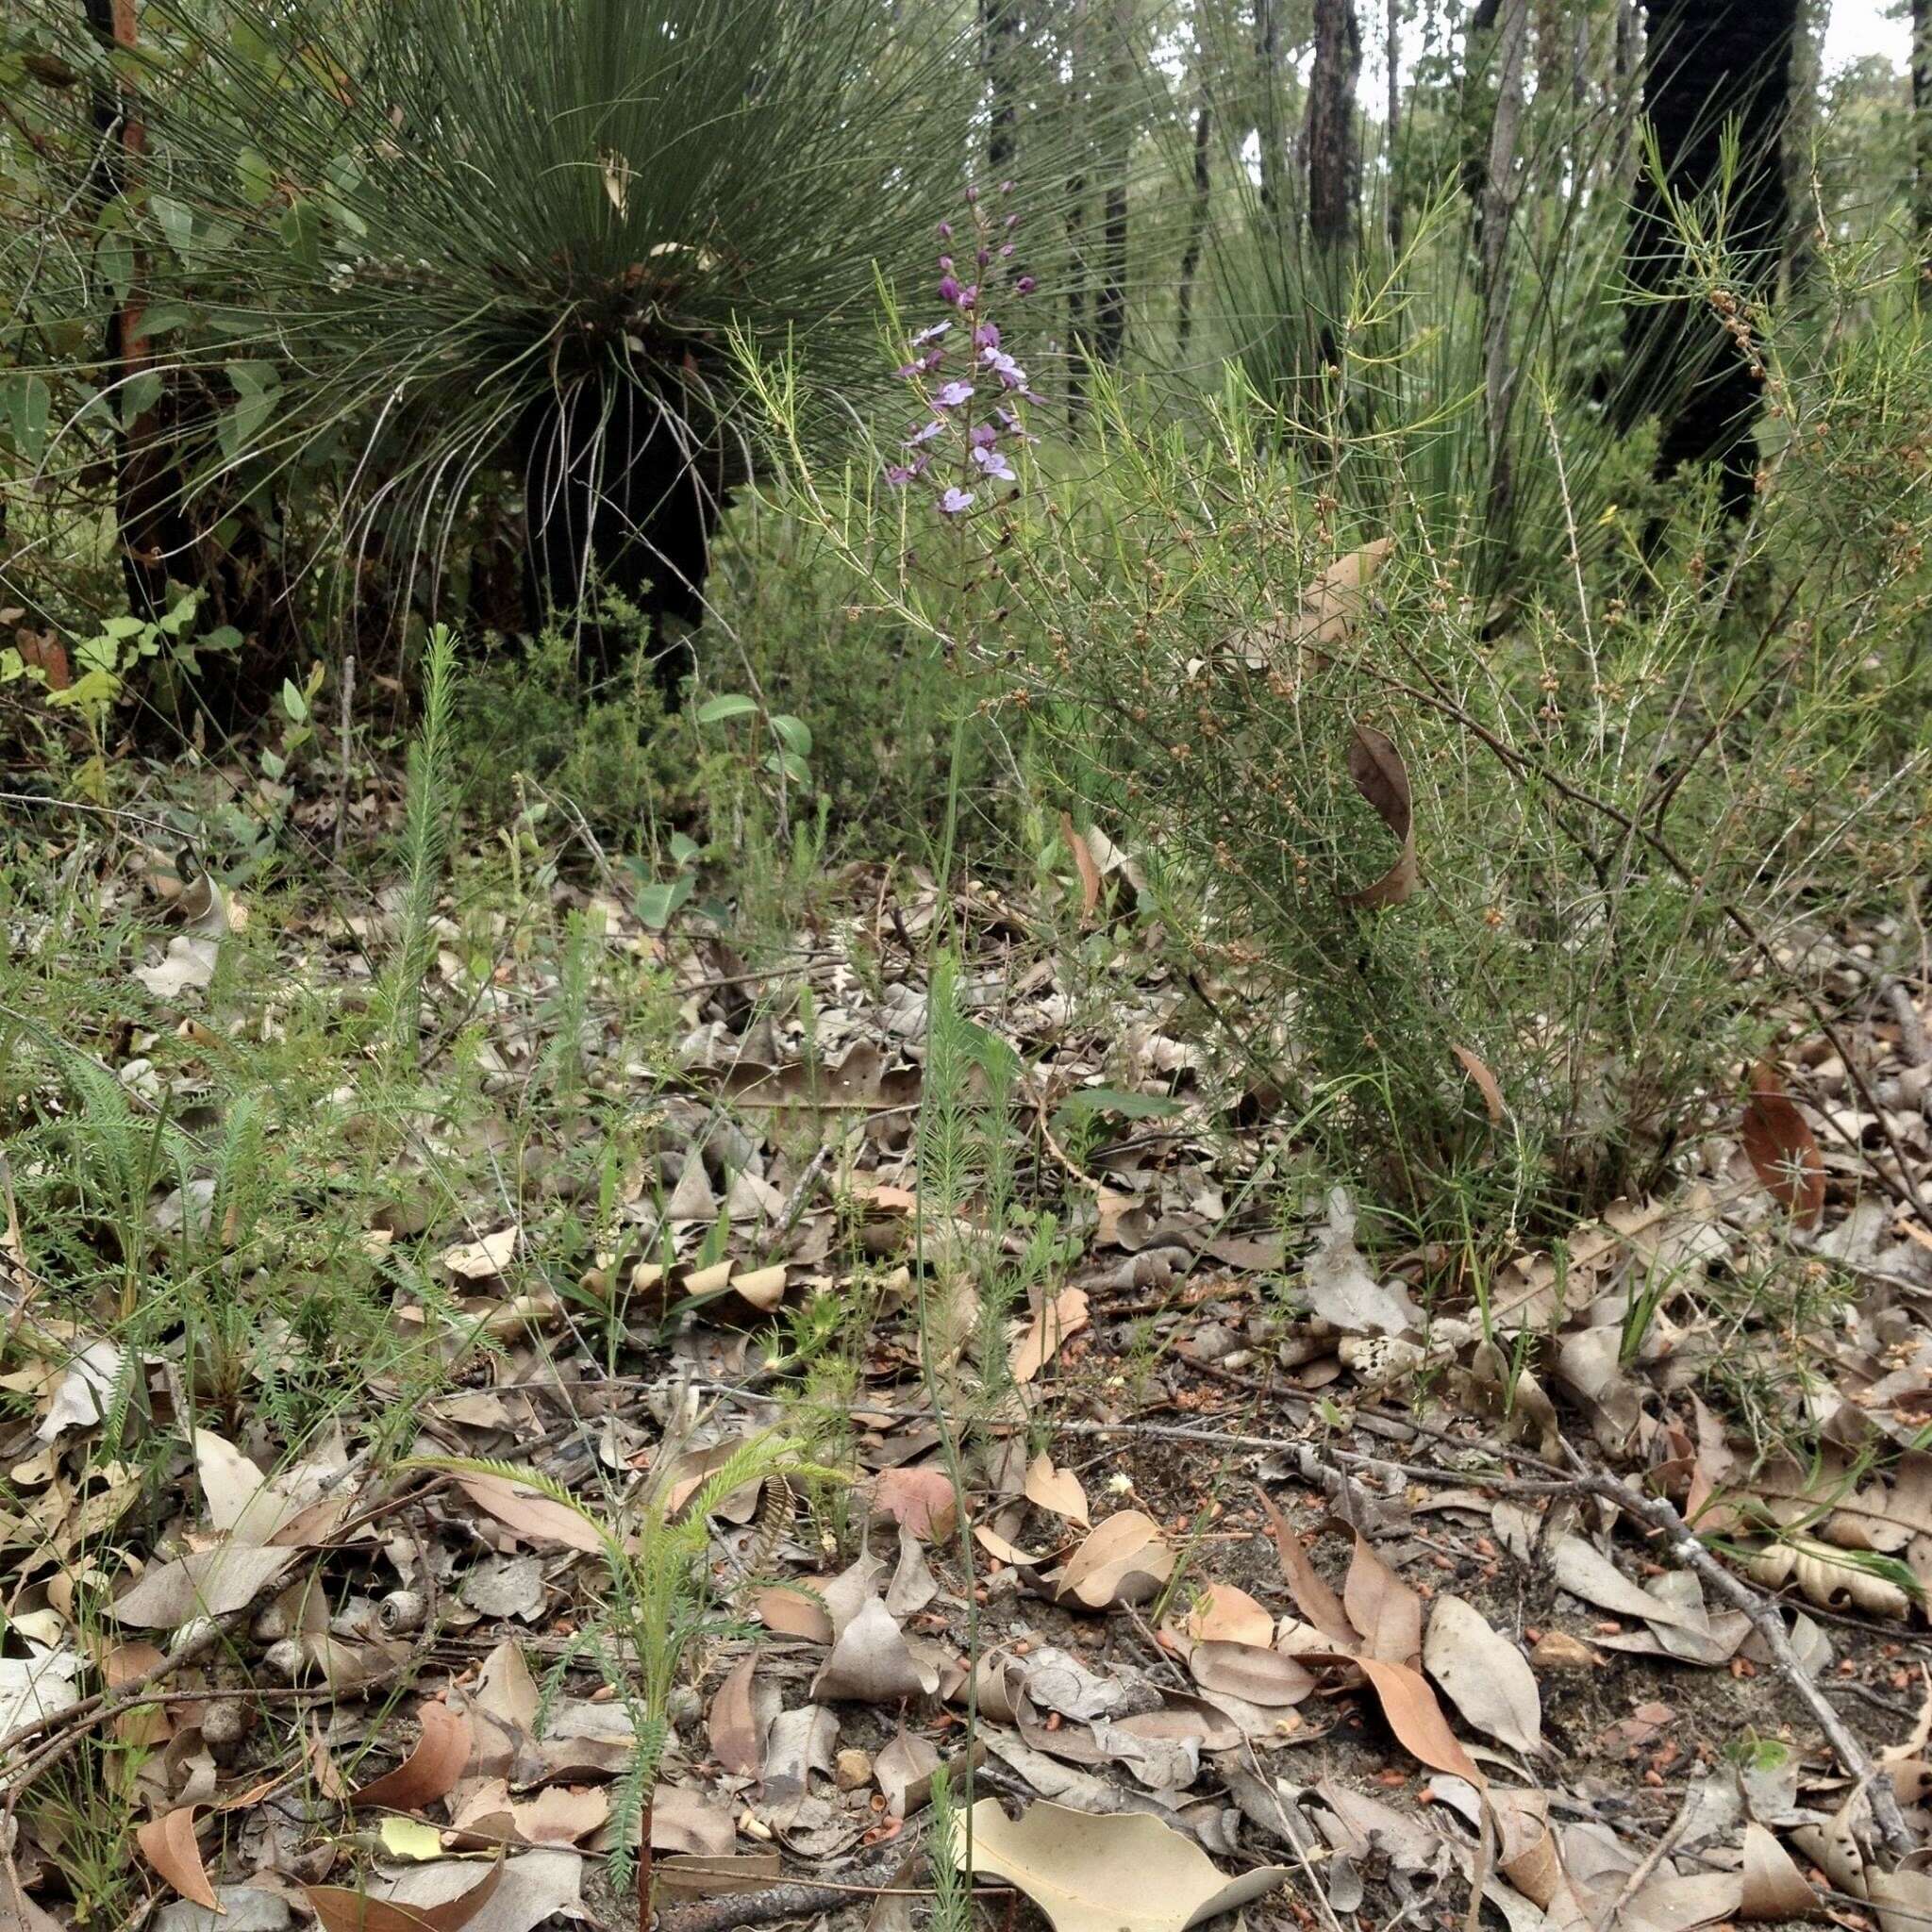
pixel 1921 132
pixel 1197 222
pixel 1079 342
pixel 1392 51
pixel 999 39
pixel 1269 130
pixel 1110 305
pixel 1498 208
pixel 1333 157
pixel 1713 64
pixel 1625 70
pixel 1801 133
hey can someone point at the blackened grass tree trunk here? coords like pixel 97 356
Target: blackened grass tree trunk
pixel 1197 219
pixel 1333 151
pixel 1719 79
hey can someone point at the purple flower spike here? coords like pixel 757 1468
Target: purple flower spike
pixel 987 335
pixel 992 462
pixel 1024 285
pixel 949 288
pixel 984 435
pixel 953 394
pixel 924 433
pixel 930 335
pixel 968 295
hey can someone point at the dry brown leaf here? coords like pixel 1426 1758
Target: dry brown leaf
pixel 1057 1490
pixel 738 1737
pixel 1774 1886
pixel 1386 1613
pixel 1122 1873
pixel 211 1583
pixel 1484 1674
pixel 1828 1577
pixel 903 1770
pixel 1222 1615
pixel 340 1910
pixel 1083 865
pixel 167 1843
pixel 688 1876
pixel 1334 597
pixel 1417 1718
pixel 535 1517
pixel 431 1770
pixel 1382 778
pixel 1585 1572
pixel 1472 1064
pixel 1312 1596
pixel 1251 1673
pixel 872 1663
pixel 1123 1560
pixel 1063 1317
pixel 1782 1148
pixel 922 1501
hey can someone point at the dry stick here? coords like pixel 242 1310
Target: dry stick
pixel 343 749
pixel 1685 1546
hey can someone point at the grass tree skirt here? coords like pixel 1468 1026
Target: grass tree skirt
pixel 623 483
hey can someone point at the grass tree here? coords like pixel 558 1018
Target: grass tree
pixel 407 252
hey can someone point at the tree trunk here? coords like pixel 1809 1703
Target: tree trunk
pixel 1079 341
pixel 1110 305
pixel 1392 135
pixel 1332 149
pixel 999 39
pixel 1268 115
pixel 1497 211
pixel 1801 133
pixel 1197 222
pixel 1626 63
pixel 1713 63
pixel 1921 132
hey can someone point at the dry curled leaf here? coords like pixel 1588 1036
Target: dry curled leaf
pixel 1831 1578
pixel 1123 1560
pixel 1083 865
pixel 1250 1672
pixel 1222 1615
pixel 1477 1068
pixel 1382 778
pixel 1312 1596
pixel 1062 1317
pixel 431 1770
pixel 1387 1614
pixel 1417 1718
pixel 167 1843
pixel 737 1734
pixel 1057 1490
pixel 1782 1148
pixel 922 1501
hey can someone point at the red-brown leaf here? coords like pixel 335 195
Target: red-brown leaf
pixel 431 1770
pixel 1783 1149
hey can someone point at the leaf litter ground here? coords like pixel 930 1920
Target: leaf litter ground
pixel 1286 1582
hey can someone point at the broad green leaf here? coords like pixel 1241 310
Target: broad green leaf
pixel 794 732
pixel 30 402
pixel 659 900
pixel 731 705
pixel 293 701
pixel 256 177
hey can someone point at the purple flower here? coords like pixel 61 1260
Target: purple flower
pixel 930 335
pixel 1005 188
pixel 984 435
pixel 945 231
pixel 956 500
pixel 968 295
pixel 1012 425
pixel 1012 220
pixel 926 433
pixel 972 196
pixel 992 462
pixel 984 256
pixel 1009 372
pixel 946 264
pixel 952 395
pixel 899 475
pixel 987 335
pixel 1024 285
pixel 949 288
pixel 1005 249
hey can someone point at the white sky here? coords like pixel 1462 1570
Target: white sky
pixel 1858 28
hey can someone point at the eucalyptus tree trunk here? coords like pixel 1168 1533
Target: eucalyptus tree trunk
pixel 1801 133
pixel 1268 119
pixel 1333 152
pixel 1497 209
pixel 1110 305
pixel 1080 340
pixel 999 40
pixel 1714 65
